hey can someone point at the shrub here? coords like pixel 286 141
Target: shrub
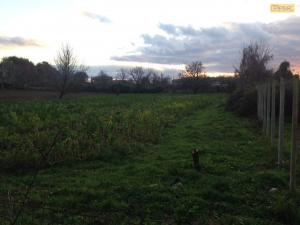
pixel 243 102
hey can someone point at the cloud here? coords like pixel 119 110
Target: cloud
pixel 17 41
pixel 218 47
pixel 101 19
pixel 178 30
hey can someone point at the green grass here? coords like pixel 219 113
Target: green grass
pixel 86 128
pixel 155 183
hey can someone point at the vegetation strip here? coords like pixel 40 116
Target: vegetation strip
pixel 237 182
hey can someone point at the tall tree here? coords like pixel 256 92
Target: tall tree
pixel 137 74
pixel 47 75
pixel 194 69
pixel 18 72
pixel 253 64
pixel 122 74
pixel 194 78
pixel 284 71
pixel 67 65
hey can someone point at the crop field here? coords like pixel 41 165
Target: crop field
pixel 81 129
pixel 126 159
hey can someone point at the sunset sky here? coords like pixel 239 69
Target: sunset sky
pixel 163 34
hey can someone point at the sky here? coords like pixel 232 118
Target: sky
pixel 159 34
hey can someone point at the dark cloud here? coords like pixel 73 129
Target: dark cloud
pixel 101 19
pixel 17 41
pixel 218 47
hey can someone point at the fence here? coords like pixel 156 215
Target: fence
pixel 266 113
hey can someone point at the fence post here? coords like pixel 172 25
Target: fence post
pixel 268 107
pixel 281 122
pixel 264 107
pixel 273 111
pixel 258 101
pixel 294 133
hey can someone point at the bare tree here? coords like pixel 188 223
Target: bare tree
pixel 159 80
pixel 122 74
pixel 253 65
pixel 155 78
pixel 137 74
pixel 195 69
pixel 194 78
pixel 67 65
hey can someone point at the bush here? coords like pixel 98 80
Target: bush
pixel 243 102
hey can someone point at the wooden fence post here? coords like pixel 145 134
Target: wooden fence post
pixel 281 122
pixel 268 108
pixel 294 134
pixel 264 107
pixel 261 102
pixel 273 111
pixel 258 101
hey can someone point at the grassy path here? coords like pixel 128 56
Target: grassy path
pixel 158 184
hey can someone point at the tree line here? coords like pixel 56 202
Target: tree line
pixel 68 75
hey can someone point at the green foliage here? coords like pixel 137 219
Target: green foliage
pixel 87 127
pixel 267 180
pixel 17 72
pixel 243 102
pixel 152 180
pixel 286 208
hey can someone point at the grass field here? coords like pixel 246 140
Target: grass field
pixel 127 160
